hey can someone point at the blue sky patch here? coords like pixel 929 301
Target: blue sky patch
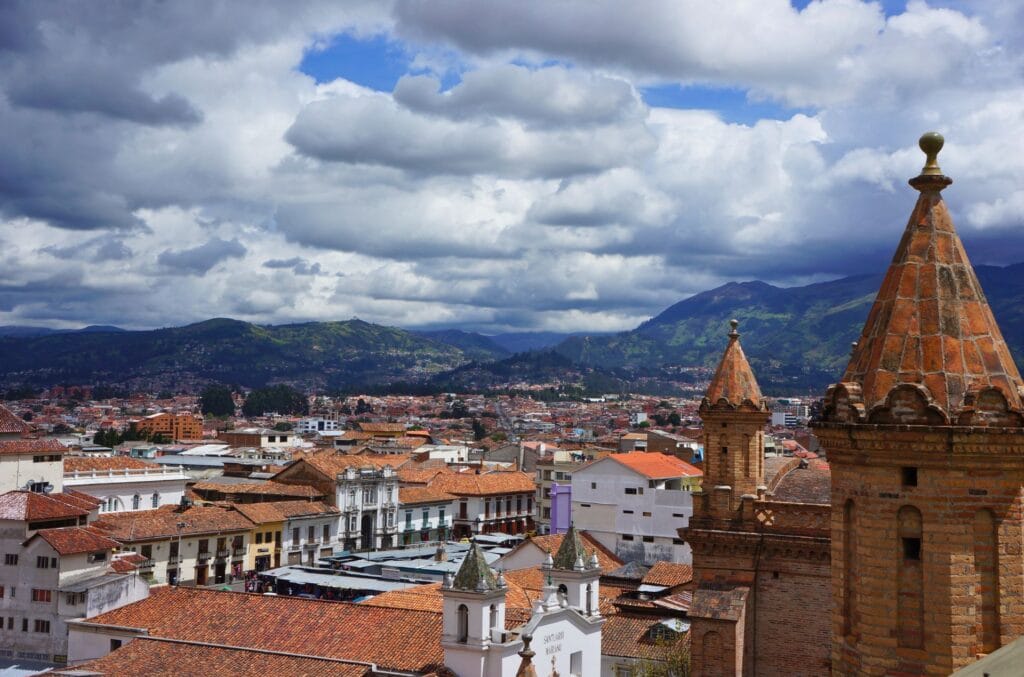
pixel 730 103
pixel 375 62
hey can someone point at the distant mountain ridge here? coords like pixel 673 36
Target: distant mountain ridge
pixel 797 338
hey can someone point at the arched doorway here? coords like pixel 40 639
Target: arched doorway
pixel 366 533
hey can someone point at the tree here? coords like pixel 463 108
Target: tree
pixel 282 399
pixel 674 661
pixel 283 426
pixel 675 419
pixel 479 431
pixel 362 407
pixel 216 400
pixel 27 416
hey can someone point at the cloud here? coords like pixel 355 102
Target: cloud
pixel 296 264
pixel 200 259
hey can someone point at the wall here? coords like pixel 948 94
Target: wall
pixel 122 486
pixel 17 470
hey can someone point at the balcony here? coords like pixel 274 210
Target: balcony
pixel 146 565
pixel 222 553
pixel 238 552
pixel 311 543
pixel 174 560
pixel 203 556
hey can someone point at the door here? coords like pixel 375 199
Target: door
pixel 220 572
pixel 366 533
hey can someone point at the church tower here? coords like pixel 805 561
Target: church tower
pixel 925 441
pixel 473 612
pixel 734 415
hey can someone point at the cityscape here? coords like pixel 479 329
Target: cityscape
pixel 511 339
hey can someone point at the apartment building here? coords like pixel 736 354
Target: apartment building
pixel 425 514
pixel 172 427
pixel 553 470
pixel 634 504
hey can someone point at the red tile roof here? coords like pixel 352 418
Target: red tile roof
pixel 279 511
pixel 10 424
pixel 812 484
pixel 161 658
pixel 332 464
pixel 418 495
pixel 31 446
pixel 485 484
pixel 552 542
pixel 656 466
pixel 628 635
pixel 258 488
pixel 105 463
pixel 288 624
pixel 29 506
pixel 145 525
pixel 669 574
pixel 733 384
pixel 74 540
pixel 931 330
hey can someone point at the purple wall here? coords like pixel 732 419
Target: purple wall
pixel 561 508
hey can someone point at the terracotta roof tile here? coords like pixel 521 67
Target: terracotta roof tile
pixel 287 624
pixel 811 484
pixel 333 464
pixel 34 507
pixel 31 446
pixel 105 463
pixel 930 351
pixel 381 427
pixel 279 511
pixel 669 574
pixel 733 384
pixel 144 525
pixel 161 658
pixel 485 484
pixel 656 466
pixel 74 540
pixel 417 495
pixel 553 542
pixel 629 636
pixel 258 488
pixel 10 424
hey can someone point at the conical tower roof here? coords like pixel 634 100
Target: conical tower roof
pixel 474 574
pixel 733 385
pixel 931 351
pixel 571 551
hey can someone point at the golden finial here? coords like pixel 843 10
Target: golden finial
pixel 734 324
pixel 931 178
pixel 931 143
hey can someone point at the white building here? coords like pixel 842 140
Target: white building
pixel 425 515
pixel 318 424
pixel 364 488
pixel 634 504
pixel 54 568
pixel 34 465
pixel 563 632
pixel 122 483
pixel 309 530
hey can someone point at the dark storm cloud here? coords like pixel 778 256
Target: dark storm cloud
pixel 199 260
pixel 296 264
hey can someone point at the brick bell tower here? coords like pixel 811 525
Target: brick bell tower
pixel 925 440
pixel 734 415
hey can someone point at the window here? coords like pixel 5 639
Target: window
pixel 725 450
pixel 1 592
pixel 408 519
pixel 136 502
pixel 584 505
pixel 627 537
pixel 277 538
pixel 39 595
pixel 593 485
pixel 647 514
pixel 156 499
pixel 259 538
pixel 24 625
pixel 327 533
pixel 311 533
pixel 648 539
pixel 42 562
pixel 440 517
pixel 11 560
pixel 678 541
pixel 529 504
pixel 296 536
pixel 909 476
pixel 391 518
pixel 426 518
pixel 678 514
pixel 494 616
pixel 627 512
pixel 10 622
pixel 912 549
pixel 463 624
pixel 631 491
pixel 576 664
pixel 42 626
pixel 115 644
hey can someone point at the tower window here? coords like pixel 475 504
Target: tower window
pixel 725 450
pixel 909 476
pixel 912 549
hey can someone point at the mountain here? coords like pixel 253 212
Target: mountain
pixel 314 354
pixel 525 341
pixel 796 338
pixel 474 346
pixel 25 330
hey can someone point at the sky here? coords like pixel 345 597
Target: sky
pixel 514 165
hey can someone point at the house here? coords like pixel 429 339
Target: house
pixel 123 483
pixel 55 567
pixel 32 464
pixel 425 514
pixel 259 438
pixel 216 489
pixel 634 504
pixel 303 531
pixel 185 545
pixel 488 502
pixel 363 487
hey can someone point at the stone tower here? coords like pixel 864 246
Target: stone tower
pixel 734 416
pixel 925 440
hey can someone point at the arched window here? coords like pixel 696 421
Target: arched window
pixel 563 594
pixel 746 455
pixel 494 616
pixel 156 499
pixel 136 502
pixel 910 579
pixel 986 568
pixel 463 623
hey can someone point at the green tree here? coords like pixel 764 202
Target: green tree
pixel 674 419
pixel 216 400
pixel 674 660
pixel 283 426
pixel 282 399
pixel 479 431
